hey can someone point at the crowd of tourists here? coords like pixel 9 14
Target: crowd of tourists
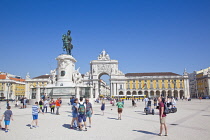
pixel 82 110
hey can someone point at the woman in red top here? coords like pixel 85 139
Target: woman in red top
pixel 162 116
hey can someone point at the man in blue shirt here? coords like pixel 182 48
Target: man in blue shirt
pixel 72 101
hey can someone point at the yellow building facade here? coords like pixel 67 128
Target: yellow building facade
pixel 155 84
pixel 203 82
pixel 11 87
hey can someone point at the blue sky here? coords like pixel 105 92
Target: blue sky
pixel 144 35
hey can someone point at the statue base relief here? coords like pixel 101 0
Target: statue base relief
pixel 65 70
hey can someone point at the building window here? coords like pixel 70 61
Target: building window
pixel 162 80
pixel 134 86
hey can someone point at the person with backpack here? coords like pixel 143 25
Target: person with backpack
pixel 82 114
pixel 162 116
pixel 75 107
pixel 89 110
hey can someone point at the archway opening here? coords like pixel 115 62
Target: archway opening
pixel 170 93
pixel 146 93
pixel 163 93
pixel 104 84
pixel 176 94
pixel 152 93
pixel 158 93
pixel 134 93
pixel 128 93
pixel 181 94
pixel 140 93
pixel 121 93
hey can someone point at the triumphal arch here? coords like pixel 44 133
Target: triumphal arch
pixel 104 66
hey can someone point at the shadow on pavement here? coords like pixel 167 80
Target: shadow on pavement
pixel 142 113
pixel 28 125
pixel 112 118
pixel 206 115
pixel 138 111
pixel 173 124
pixel 97 114
pixel 145 132
pixel 66 126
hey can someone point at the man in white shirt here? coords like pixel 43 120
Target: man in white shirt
pixel 146 100
pixel 46 104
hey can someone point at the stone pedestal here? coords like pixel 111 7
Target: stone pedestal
pixel 65 69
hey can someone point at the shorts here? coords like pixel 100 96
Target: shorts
pixel 82 118
pixel 7 122
pixel 74 115
pixel 119 110
pixel 89 114
pixel 163 120
pixel 35 117
pixel 40 105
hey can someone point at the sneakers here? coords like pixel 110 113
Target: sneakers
pixel 6 131
pixel 159 134
pixel 85 129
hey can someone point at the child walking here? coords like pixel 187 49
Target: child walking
pixel 35 111
pixel 7 116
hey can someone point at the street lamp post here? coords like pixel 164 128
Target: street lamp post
pixel 174 82
pixel 8 85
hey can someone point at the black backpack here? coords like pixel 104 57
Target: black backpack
pixel 166 110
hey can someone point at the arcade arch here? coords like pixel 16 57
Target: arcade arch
pixel 128 93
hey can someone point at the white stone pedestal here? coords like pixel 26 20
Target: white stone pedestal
pixel 65 69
